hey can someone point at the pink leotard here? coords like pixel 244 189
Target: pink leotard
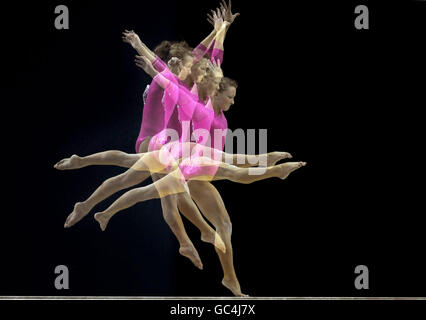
pixel 177 106
pixel 201 117
pixel 152 109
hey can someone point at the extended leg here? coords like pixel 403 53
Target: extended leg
pixel 168 185
pixel 240 160
pixel 249 175
pixel 249 160
pixel 107 188
pixel 111 157
pixel 136 174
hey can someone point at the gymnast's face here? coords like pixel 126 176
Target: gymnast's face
pixel 213 85
pixel 225 99
pixel 199 71
pixel 186 67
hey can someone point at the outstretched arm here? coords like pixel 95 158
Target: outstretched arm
pixel 228 18
pixel 221 19
pixel 207 43
pixel 220 36
pixel 202 47
pixel 133 39
pixel 145 64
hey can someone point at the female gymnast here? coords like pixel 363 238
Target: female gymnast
pixel 191 168
pixel 213 45
pixel 222 224
pixel 190 74
pixel 204 193
pixel 207 196
pixel 181 160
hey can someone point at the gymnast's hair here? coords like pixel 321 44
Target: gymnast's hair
pixel 226 82
pixel 168 49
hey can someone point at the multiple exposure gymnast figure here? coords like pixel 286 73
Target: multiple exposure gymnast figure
pixel 181 169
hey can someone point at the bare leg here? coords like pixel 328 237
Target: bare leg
pixel 208 157
pixel 248 160
pixel 211 204
pixel 169 185
pixel 107 188
pixel 148 162
pixel 136 174
pixel 126 160
pixel 173 183
pixel 174 220
pixel 111 157
pixel 240 160
pixel 188 208
pixel 249 175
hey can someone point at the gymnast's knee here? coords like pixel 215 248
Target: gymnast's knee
pixel 119 153
pixel 236 174
pixel 168 203
pixel 226 227
pixel 184 202
pixel 198 189
pixel 170 211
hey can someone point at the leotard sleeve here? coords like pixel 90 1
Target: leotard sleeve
pixel 214 54
pixel 159 64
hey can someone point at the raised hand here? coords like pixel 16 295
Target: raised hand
pixel 216 19
pixel 227 12
pixel 144 64
pixel 131 38
pixel 215 68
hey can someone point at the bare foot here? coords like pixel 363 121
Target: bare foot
pixel 234 286
pixel 276 156
pixel 191 253
pixel 102 219
pixel 289 167
pixel 69 163
pixel 79 212
pixel 215 239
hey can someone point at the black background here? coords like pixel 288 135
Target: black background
pixel 346 101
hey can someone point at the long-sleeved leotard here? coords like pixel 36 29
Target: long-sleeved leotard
pixel 152 111
pixel 191 111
